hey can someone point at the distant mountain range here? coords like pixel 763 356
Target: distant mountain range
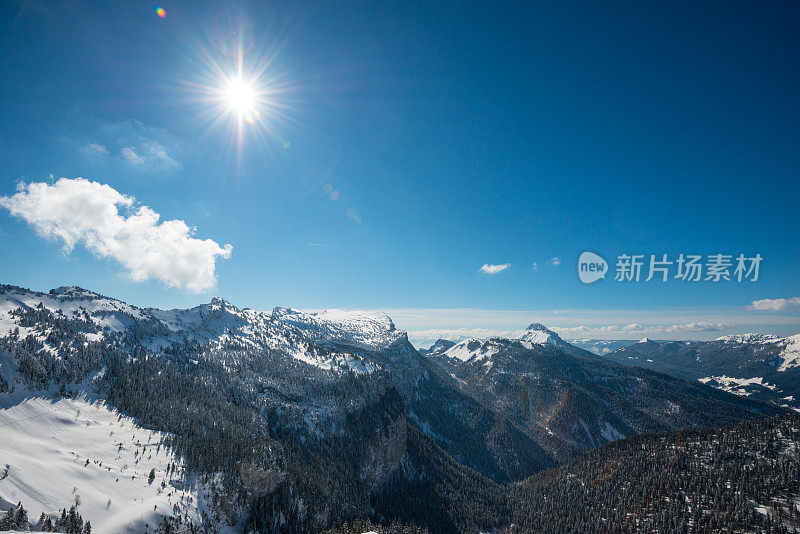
pixel 292 421
pixel 570 400
pixel 602 346
pixel 752 365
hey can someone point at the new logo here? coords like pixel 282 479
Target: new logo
pixel 591 267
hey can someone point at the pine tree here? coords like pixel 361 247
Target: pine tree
pixel 9 521
pixel 22 516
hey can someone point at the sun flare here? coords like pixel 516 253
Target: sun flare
pixel 240 96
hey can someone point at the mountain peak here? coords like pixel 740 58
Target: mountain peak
pixel 219 301
pixel 539 334
pixel 540 328
pixel 280 311
pixel 74 292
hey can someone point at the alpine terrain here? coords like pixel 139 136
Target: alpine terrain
pixel 116 418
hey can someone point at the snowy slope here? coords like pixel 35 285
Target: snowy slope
pixel 437 348
pixel 737 386
pixel 471 349
pixel 790 352
pixel 44 448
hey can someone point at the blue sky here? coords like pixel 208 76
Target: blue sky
pixel 401 148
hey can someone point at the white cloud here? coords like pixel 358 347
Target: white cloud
pixel 78 211
pixel 494 269
pixel 128 143
pixel 535 266
pixel 129 154
pixel 555 260
pixel 791 303
pixel 95 150
pixel 148 154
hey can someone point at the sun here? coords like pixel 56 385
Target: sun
pixel 240 96
pixel 243 98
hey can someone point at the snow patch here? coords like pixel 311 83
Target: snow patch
pixel 737 386
pixel 608 431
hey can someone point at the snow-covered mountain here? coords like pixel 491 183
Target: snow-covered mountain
pixel 470 349
pixel 758 365
pixel 473 349
pixel 751 337
pixel 73 351
pixel 263 419
pixel 539 334
pixel 331 377
pixel 309 337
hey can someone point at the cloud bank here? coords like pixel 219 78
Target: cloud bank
pixel 77 211
pixel 494 269
pixel 457 334
pixel 792 303
pixel 638 329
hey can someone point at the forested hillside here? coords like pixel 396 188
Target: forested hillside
pixel 740 478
